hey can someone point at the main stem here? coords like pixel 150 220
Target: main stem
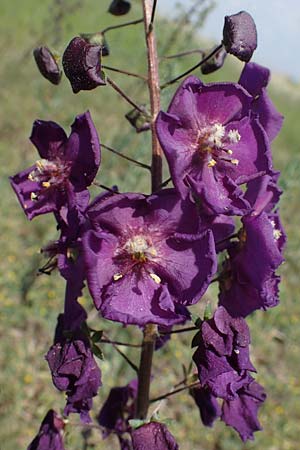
pixel 150 331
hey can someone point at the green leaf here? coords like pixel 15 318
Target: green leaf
pixel 97 336
pixel 97 352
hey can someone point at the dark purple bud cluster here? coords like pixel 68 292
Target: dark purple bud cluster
pixel 240 35
pixel 47 64
pixel 119 7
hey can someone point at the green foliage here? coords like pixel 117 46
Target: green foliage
pixel 30 303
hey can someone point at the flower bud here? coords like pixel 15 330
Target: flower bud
pixel 240 35
pixel 119 7
pixel 82 66
pixel 214 63
pixel 139 121
pixel 97 39
pixel 47 64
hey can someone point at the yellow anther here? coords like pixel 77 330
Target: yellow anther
pixel 46 184
pixel 117 276
pixel 229 152
pixel 33 196
pixel 277 234
pixel 211 163
pixel 31 176
pixel 235 162
pixel 155 278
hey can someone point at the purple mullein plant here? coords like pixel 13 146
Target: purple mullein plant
pixel 153 436
pixel 213 144
pixel 146 258
pixel 58 181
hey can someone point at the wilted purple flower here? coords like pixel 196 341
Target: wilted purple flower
pixel 241 412
pixel 153 436
pixel 255 78
pixel 145 258
pixel 118 409
pixel 119 7
pixel 214 63
pixel 50 435
pixel 248 281
pixel 207 403
pixel 58 181
pixel 222 356
pixel 212 144
pixel 74 369
pixel 240 35
pixel 81 63
pixel 47 64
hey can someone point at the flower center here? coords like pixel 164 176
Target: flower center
pixel 215 140
pixel 139 248
pixel 48 174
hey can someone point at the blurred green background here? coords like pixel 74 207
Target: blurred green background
pixel 30 303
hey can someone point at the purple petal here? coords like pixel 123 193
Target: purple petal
pixel 49 139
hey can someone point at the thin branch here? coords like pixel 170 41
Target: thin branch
pixel 106 188
pixel 125 344
pixel 121 25
pixel 215 50
pixel 125 96
pixel 165 183
pixel 232 236
pixel 180 330
pixel 179 55
pixel 152 16
pixel 125 72
pixel 132 365
pixel 168 394
pixel 138 163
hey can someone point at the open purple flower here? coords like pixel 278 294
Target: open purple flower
pixel 145 258
pixel 67 166
pixel 153 436
pixel 213 143
pixel 81 63
pixel 50 435
pixel 255 79
pixel 241 412
pixel 74 369
pixel 222 356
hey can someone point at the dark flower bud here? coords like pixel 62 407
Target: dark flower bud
pixel 50 433
pixel 214 63
pixel 139 121
pixel 119 7
pixel 47 64
pixel 81 63
pixel 240 35
pixel 153 436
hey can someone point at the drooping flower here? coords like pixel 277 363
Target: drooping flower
pixel 50 435
pixel 213 143
pixel 82 66
pixel 119 7
pixel 249 281
pixel 255 79
pixel 222 356
pixel 240 35
pixel 74 369
pixel 58 181
pixel 118 409
pixel 241 412
pixel 153 436
pixel 47 64
pixel 146 259
pixel 209 408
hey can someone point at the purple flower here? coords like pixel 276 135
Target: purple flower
pixel 213 144
pixel 241 412
pixel 222 356
pixel 153 436
pixel 50 435
pixel 255 78
pixel 118 409
pixel 145 258
pixel 207 403
pixel 240 35
pixel 81 63
pixel 47 64
pixel 74 369
pixel 248 281
pixel 58 181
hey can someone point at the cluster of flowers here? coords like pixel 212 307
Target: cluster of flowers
pixel 147 258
